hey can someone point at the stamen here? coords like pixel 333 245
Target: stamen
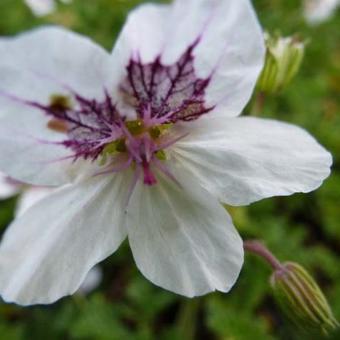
pixel 60 103
pixel 57 125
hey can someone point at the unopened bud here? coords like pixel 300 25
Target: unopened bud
pixel 283 60
pixel 301 299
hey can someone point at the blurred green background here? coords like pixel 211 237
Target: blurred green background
pixel 301 228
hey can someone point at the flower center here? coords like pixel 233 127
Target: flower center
pixel 160 96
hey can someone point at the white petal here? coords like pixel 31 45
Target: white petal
pixel 231 45
pixel 92 280
pixel 143 34
pixel 182 239
pixel 31 196
pixel 242 160
pixel 34 66
pixel 49 60
pixel 7 188
pixel 28 154
pixel 47 253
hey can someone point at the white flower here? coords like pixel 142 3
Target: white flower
pixel 148 143
pixel 43 7
pixel 317 11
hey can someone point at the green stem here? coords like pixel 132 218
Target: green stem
pixel 187 318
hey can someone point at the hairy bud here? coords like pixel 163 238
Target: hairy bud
pixel 301 299
pixel 283 60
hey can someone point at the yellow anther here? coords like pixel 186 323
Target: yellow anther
pixel 155 132
pixel 161 155
pixel 112 148
pixel 135 127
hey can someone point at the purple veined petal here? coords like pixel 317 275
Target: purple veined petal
pixel 34 67
pixel 182 239
pixel 243 160
pixel 45 256
pixel 166 93
pixel 228 52
pixel 33 154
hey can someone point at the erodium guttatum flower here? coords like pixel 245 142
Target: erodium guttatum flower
pixel 145 143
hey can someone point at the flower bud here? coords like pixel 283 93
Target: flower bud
pixel 283 60
pixel 301 299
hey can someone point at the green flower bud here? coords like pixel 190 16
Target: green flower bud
pixel 302 300
pixel 283 60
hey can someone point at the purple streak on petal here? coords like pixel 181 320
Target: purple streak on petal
pixel 166 94
pixel 91 125
pixel 17 99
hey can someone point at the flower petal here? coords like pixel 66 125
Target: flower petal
pixel 182 239
pixel 29 151
pixel 31 196
pixel 33 67
pixel 92 280
pixel 230 52
pixel 242 160
pixel 51 60
pixel 47 252
pixel 7 188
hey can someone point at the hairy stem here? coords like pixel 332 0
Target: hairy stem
pixel 258 248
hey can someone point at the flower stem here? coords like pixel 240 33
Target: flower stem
pixel 187 318
pixel 258 248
